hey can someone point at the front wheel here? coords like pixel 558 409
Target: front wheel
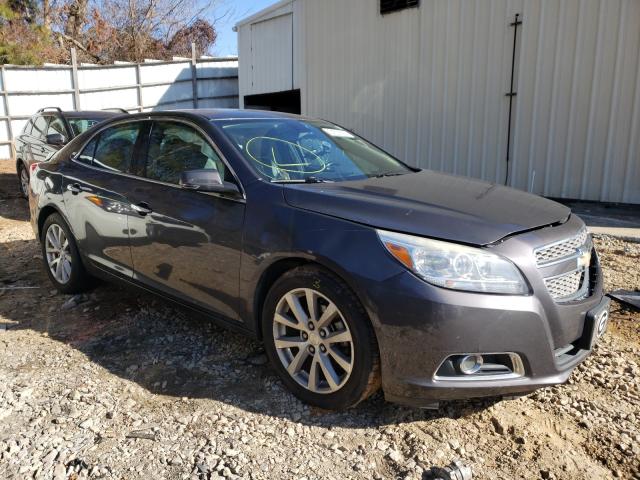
pixel 320 340
pixel 23 177
pixel 61 257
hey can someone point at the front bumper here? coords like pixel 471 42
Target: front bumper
pixel 419 326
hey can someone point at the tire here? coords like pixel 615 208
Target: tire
pixel 22 171
pixel 73 279
pixel 340 349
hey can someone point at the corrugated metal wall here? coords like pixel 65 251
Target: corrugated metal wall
pixel 429 85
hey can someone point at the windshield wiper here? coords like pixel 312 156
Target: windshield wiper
pixel 301 180
pixel 389 174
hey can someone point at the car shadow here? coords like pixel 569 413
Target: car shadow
pixel 166 349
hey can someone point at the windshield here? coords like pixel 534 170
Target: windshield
pixel 291 150
pixel 80 125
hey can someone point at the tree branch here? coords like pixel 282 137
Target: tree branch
pixel 77 44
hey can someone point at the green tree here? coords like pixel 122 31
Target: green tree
pixel 23 39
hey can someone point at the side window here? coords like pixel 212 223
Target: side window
pixel 86 156
pixel 28 127
pixel 115 147
pixel 56 126
pixel 80 125
pixel 40 126
pixel 174 148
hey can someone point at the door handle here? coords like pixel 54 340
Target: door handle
pixel 142 208
pixel 74 188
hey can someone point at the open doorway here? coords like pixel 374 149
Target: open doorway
pixel 287 101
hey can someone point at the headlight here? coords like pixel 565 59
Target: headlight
pixel 449 265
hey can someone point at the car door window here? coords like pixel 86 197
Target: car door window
pixel 40 126
pixel 56 126
pixel 28 127
pixel 176 147
pixel 115 147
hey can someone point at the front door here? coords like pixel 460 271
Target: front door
pixel 55 126
pixel 188 243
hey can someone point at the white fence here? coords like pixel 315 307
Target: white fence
pixel 195 83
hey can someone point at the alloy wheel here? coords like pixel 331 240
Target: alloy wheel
pixel 58 253
pixel 313 340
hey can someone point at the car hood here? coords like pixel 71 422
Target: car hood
pixel 431 204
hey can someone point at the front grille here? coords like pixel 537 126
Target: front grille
pixel 559 251
pixel 565 286
pixel 574 252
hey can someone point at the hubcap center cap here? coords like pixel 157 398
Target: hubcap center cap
pixel 314 338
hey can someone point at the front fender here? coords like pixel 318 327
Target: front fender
pixel 276 232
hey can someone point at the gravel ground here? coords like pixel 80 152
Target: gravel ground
pixel 119 385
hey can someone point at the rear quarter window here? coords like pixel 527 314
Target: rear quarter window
pixel 86 155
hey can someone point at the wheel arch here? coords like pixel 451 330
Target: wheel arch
pixel 45 213
pixel 278 268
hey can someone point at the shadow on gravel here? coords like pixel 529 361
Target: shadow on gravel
pixel 174 352
pixel 168 350
pixel 12 205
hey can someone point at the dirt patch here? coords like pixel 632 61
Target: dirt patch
pixel 124 385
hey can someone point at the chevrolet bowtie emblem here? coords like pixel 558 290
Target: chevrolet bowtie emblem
pixel 584 258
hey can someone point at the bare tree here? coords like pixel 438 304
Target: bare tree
pixel 145 26
pixel 76 18
pixel 105 30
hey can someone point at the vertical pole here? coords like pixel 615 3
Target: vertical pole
pixel 194 75
pixel 5 99
pixel 512 93
pixel 139 86
pixel 74 79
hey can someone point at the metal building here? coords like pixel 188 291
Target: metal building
pixel 430 81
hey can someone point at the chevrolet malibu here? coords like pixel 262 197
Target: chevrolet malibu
pixel 357 271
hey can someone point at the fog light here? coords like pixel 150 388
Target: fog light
pixel 470 364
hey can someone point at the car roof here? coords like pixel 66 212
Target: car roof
pixel 94 114
pixel 217 114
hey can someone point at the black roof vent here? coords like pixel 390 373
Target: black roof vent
pixel 388 6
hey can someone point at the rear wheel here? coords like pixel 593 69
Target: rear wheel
pixel 319 339
pixel 23 177
pixel 61 258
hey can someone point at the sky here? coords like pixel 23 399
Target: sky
pixel 233 11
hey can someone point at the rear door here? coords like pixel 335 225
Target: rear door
pixel 38 146
pixel 22 142
pixel 189 246
pixel 96 184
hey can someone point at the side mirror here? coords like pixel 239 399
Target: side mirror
pixel 55 139
pixel 206 180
